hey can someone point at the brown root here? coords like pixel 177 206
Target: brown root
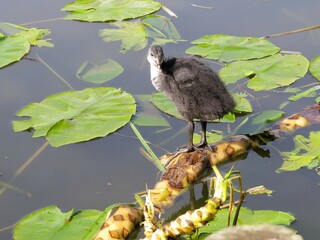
pixel 120 224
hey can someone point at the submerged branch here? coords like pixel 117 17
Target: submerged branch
pixel 54 72
pixel 292 32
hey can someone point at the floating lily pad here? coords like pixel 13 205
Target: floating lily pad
pixel 134 35
pixel 14 47
pixel 160 29
pixel 77 116
pixel 242 103
pixel 212 137
pixel 228 48
pixel 163 103
pixel 305 154
pixel 315 67
pixel 246 217
pixel 109 10
pixel 147 120
pixel 99 73
pixel 131 34
pixel 267 73
pixel 258 122
pixel 148 115
pixel 50 223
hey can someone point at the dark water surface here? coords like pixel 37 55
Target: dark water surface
pixel 98 173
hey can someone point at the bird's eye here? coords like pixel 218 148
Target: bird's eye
pixel 151 54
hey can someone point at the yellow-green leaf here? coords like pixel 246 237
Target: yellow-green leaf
pixel 109 10
pixel 134 35
pixel 305 154
pixel 77 116
pixel 247 217
pixel 162 102
pixel 99 73
pixel 315 67
pixel 258 122
pixel 18 40
pixel 228 48
pixel 131 34
pixel 267 73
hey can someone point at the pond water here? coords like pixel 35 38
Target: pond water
pixel 98 173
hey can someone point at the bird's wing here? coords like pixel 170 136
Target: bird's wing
pixel 184 73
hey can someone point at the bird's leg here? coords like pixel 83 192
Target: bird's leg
pixel 203 141
pixel 189 147
pixel 190 136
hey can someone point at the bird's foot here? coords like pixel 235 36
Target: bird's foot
pixel 181 150
pixel 186 149
pixel 204 145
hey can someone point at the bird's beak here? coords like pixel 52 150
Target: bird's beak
pixel 158 63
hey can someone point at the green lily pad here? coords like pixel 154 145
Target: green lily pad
pixel 258 122
pixel 134 35
pixel 77 116
pixel 99 73
pixel 160 29
pixel 147 120
pixel 109 10
pixel 147 115
pixel 131 34
pixel 305 154
pixel 228 48
pixel 14 47
pixel 247 217
pixel 50 223
pixel 163 103
pixel 267 73
pixel 315 67
pixel 212 137
pixel 242 103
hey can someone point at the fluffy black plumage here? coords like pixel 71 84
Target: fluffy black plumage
pixel 194 88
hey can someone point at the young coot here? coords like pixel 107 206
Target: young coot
pixel 194 88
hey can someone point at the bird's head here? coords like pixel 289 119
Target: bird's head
pixel 155 56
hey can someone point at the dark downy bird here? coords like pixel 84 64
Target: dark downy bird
pixel 194 88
